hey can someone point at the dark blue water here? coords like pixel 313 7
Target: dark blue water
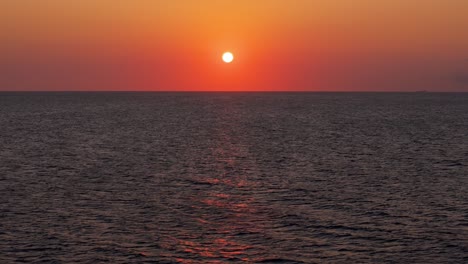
pixel 233 177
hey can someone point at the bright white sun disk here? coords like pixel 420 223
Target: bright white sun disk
pixel 228 57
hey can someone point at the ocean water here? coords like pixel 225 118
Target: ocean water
pixel 233 178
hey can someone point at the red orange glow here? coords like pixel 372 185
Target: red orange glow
pixel 281 45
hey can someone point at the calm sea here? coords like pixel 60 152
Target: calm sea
pixel 233 177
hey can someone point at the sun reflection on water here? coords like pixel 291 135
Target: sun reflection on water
pixel 224 209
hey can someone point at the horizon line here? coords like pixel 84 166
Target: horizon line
pixel 216 91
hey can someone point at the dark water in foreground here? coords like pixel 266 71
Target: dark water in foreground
pixel 225 178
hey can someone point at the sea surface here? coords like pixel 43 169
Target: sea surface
pixel 233 178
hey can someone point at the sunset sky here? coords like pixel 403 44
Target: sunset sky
pixel 279 45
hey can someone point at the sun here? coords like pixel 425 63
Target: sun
pixel 228 57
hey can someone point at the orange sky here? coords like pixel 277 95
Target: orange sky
pixel 290 45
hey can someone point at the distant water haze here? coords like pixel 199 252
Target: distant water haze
pixel 233 177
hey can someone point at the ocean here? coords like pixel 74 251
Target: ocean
pixel 233 177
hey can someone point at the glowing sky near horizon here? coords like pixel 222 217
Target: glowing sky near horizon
pixel 290 45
